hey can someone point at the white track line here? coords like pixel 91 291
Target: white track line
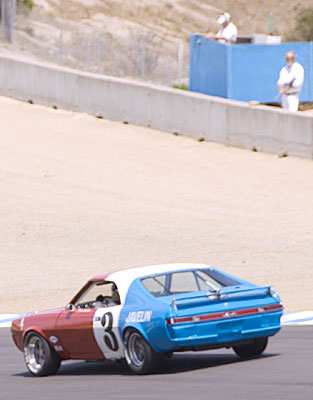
pixel 6 319
pixel 300 318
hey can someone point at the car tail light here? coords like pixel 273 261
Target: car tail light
pixel 225 314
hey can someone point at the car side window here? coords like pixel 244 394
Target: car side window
pixel 156 285
pixel 99 294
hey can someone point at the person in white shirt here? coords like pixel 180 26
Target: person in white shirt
pixel 228 31
pixel 290 82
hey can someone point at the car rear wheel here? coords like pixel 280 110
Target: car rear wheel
pixel 140 357
pixel 40 358
pixel 252 349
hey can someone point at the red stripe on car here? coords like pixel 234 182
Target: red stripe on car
pixel 225 314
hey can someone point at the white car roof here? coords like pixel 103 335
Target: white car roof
pixel 124 278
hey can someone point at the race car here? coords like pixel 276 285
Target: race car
pixel 143 315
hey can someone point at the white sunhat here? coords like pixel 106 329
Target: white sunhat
pixel 224 18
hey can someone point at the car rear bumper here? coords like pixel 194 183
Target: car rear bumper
pixel 218 333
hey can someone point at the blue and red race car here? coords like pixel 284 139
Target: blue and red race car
pixel 143 314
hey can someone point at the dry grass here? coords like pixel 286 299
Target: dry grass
pixel 180 18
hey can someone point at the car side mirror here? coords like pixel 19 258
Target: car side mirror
pixel 70 307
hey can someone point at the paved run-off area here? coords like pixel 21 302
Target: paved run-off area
pixel 81 196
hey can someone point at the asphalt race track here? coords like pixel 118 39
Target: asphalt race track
pixel 284 372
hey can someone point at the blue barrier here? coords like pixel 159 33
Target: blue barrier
pixel 245 71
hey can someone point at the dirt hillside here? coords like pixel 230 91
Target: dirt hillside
pixel 145 39
pixel 175 18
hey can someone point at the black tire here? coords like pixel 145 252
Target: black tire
pixel 252 349
pixel 140 357
pixel 40 357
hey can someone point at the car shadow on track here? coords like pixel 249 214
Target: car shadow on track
pixel 179 363
pixel 190 362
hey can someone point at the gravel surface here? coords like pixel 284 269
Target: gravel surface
pixel 81 196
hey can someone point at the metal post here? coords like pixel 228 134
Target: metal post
pixel 61 42
pixel 143 58
pixel 88 55
pixel 271 23
pixel 99 52
pixel 180 63
pixel 8 13
pixel 169 70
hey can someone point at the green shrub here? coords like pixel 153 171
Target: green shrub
pixel 24 4
pixel 29 4
pixel 303 28
pixel 182 86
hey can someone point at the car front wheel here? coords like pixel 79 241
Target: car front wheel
pixel 40 358
pixel 140 357
pixel 251 349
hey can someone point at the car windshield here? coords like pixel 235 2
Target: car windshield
pixel 186 281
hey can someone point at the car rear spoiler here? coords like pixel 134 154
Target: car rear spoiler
pixel 217 295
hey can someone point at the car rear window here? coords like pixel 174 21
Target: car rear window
pixel 186 281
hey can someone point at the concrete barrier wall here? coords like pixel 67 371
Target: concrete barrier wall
pixel 192 114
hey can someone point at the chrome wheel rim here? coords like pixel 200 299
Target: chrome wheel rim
pixel 136 349
pixel 35 354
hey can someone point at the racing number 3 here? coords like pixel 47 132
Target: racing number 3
pixel 109 336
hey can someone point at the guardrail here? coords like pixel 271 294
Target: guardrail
pixel 192 114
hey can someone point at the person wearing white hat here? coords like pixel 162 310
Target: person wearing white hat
pixel 290 82
pixel 228 31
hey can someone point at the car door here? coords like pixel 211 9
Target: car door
pixel 107 333
pixel 89 329
pixel 75 332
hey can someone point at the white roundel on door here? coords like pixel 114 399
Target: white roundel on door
pixel 105 328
